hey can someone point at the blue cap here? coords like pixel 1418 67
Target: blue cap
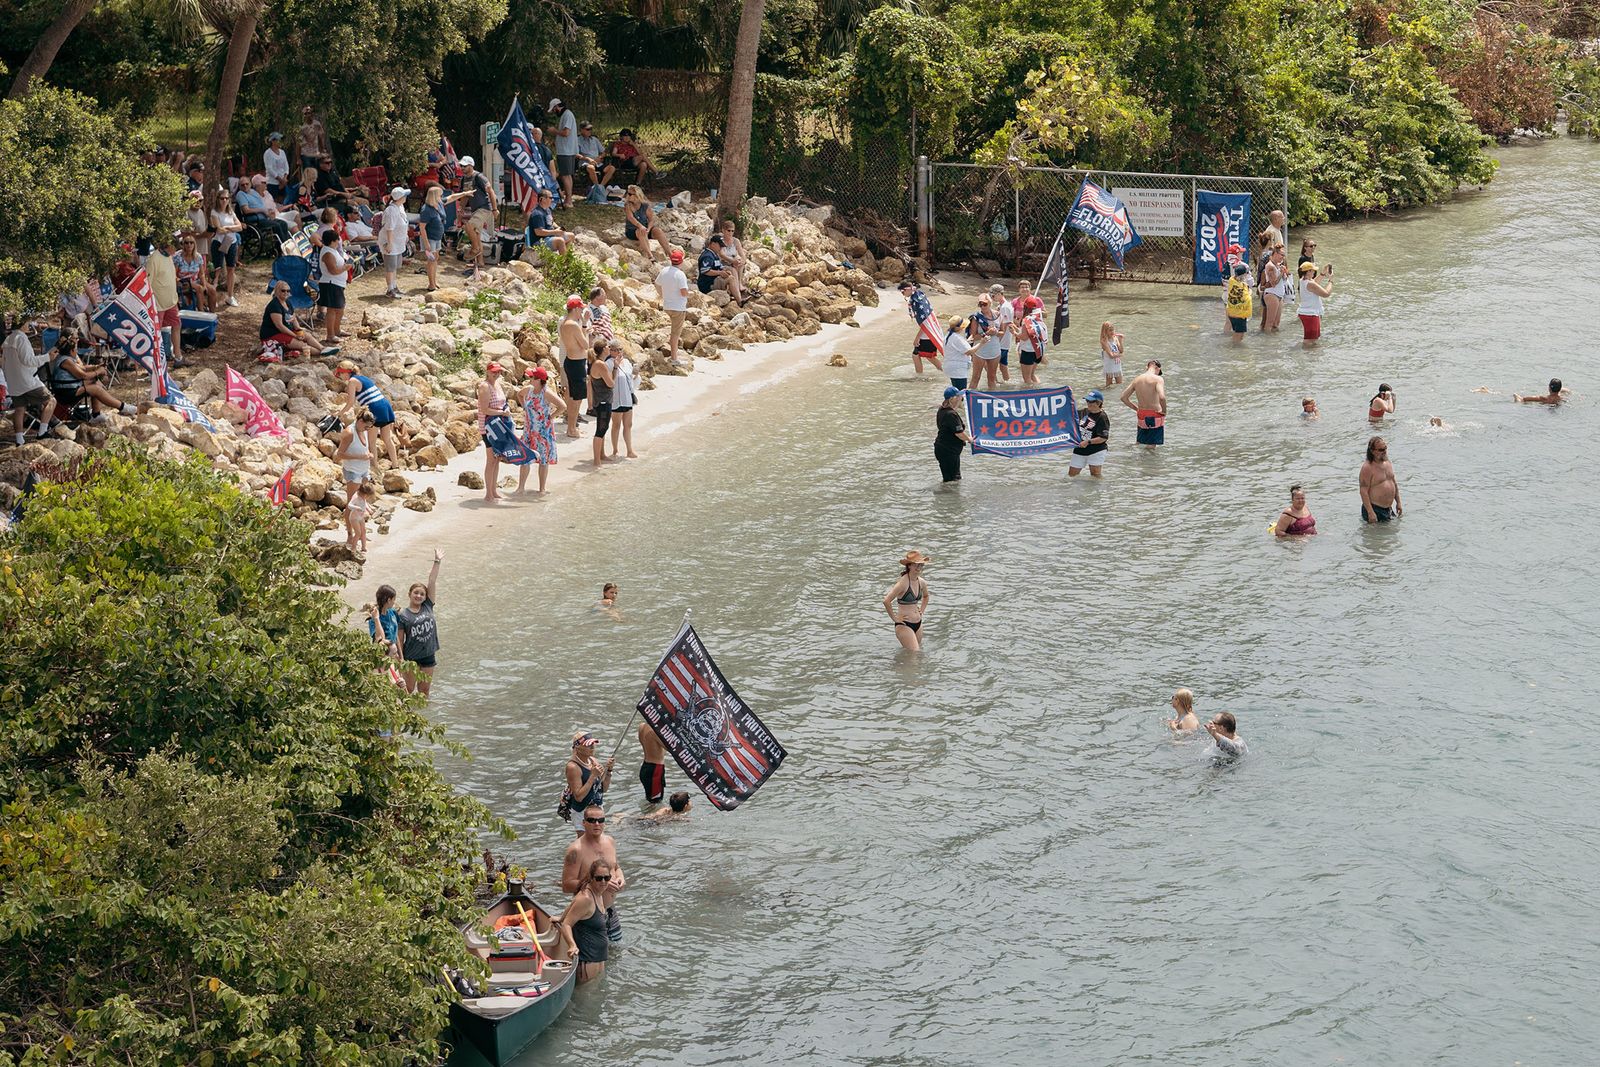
pixel 1094 396
pixel 950 391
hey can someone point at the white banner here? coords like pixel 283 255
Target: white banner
pixel 1154 212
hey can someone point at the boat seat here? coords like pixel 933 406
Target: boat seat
pixel 513 978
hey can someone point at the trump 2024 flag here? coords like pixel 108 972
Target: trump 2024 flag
pixel 714 736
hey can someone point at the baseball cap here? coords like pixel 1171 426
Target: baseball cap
pixel 584 737
pixel 537 372
pixel 467 161
pixel 259 179
pixel 950 391
pixel 585 125
pixel 1033 302
pixel 274 136
pixel 676 256
pixel 399 192
pixel 574 301
pixel 555 102
pixel 493 367
pixel 1094 396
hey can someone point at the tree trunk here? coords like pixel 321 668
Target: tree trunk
pixel 741 101
pixel 239 38
pixel 44 50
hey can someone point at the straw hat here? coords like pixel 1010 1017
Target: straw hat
pixel 1308 267
pixel 915 557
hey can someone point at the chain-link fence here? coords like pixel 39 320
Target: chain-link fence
pixel 1006 218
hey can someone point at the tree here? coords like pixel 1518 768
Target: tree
pixel 244 14
pixel 48 44
pixel 71 189
pixel 207 777
pixel 741 100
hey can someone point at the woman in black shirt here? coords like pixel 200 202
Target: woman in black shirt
pixel 952 438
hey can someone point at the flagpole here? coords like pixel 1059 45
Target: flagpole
pixel 1051 257
pixel 635 715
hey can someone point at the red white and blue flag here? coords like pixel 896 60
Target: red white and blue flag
pixel 714 736
pixel 278 495
pixel 1105 218
pixel 528 172
pixel 130 318
pixel 921 312
pixel 449 162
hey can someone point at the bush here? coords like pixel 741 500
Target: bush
pixel 567 272
pixel 223 841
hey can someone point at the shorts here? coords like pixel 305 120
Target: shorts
pixel 1149 432
pixel 924 348
pixel 1094 459
pixel 1312 324
pixel 1384 514
pixel 622 411
pixel 221 256
pixel 280 338
pixel 481 221
pixel 66 396
pixel 577 372
pixel 1110 366
pixel 602 419
pixel 382 414
pixel 1238 324
pixel 1029 358
pixel 391 262
pixel 653 776
pixel 623 166
pixel 1005 357
pixel 330 296
pixel 427 661
pixel 170 317
pixel 356 473
pixel 566 166
pixel 431 245
pixel 33 400
pixel 959 383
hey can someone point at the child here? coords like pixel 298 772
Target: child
pixel 1223 730
pixel 1308 409
pixel 1183 704
pixel 608 601
pixel 1111 353
pixel 355 516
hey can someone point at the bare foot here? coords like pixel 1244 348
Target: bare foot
pixel 633 455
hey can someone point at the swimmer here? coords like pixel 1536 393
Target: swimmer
pixel 1183 704
pixel 1380 492
pixel 1437 421
pixel 1224 731
pixel 1552 397
pixel 1382 404
pixel 1296 520
pixel 909 594
pixel 1308 409
pixel 608 601
pixel 1150 392
pixel 677 810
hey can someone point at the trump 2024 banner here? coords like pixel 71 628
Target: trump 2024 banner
pixel 714 736
pixel 1220 220
pixel 1023 423
pixel 1102 216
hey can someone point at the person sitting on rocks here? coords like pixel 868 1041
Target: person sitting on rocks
pixel 714 274
pixel 71 381
pixel 542 228
pixel 625 160
pixel 639 223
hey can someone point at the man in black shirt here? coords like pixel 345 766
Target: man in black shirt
pixel 1094 428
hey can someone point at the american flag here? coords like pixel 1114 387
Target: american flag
pixel 448 166
pixel 921 312
pixel 278 495
pixel 600 322
pixel 173 397
pixel 709 730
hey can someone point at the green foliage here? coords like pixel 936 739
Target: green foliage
pixel 905 63
pixel 71 189
pixel 1583 96
pixel 567 271
pixel 220 838
pixel 1072 115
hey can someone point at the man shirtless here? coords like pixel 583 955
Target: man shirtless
pixel 653 771
pixel 1552 397
pixel 594 844
pixel 1380 493
pixel 1150 391
pixel 574 360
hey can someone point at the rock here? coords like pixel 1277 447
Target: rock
pixel 463 436
pixel 274 392
pixel 64 452
pixel 431 456
pixel 450 296
pixel 310 410
pixel 204 386
pixel 891 270
pixel 312 387
pixel 419 502
pixel 349 570
pixel 470 479
pixel 200 439
pixel 313 479
pixel 433 338
pixel 330 552
pixel 395 482
pixel 500 351
pixel 838 360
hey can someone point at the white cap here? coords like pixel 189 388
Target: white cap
pixel 399 192
pixel 467 161
pixel 555 102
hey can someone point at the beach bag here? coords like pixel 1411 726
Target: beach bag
pixel 329 424
pixel 597 194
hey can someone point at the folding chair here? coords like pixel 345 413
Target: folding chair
pixel 296 270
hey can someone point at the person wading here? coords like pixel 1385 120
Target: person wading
pixel 1147 396
pixel 909 597
pixel 1380 492
pixel 653 771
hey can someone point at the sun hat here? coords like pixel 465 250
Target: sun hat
pixel 574 301
pixel 915 557
pixel 956 323
pixel 950 391
pixel 467 161
pixel 676 255
pixel 399 192
pixel 1308 266
pixel 585 738
pixel 537 372
pixel 1094 396
pixel 555 102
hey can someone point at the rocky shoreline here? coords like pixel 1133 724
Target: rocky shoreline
pixel 428 356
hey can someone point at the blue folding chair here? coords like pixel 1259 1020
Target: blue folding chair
pixel 296 270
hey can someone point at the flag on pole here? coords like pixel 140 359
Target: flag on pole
pixel 449 166
pixel 172 396
pixel 1059 264
pixel 528 173
pixel 1102 216
pixel 138 294
pixel 921 312
pixel 714 736
pixel 130 318
pixel 258 417
pixel 278 495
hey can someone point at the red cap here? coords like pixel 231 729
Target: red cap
pixel 574 302
pixel 1033 302
pixel 493 367
pixel 676 255
pixel 537 372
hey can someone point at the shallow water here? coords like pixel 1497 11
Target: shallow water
pixel 992 852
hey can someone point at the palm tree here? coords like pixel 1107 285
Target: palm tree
pixel 741 102
pixel 49 43
pixel 241 17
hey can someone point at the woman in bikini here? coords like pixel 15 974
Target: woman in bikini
pixel 1296 520
pixel 1382 404
pixel 908 595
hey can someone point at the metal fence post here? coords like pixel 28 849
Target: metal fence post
pixel 924 200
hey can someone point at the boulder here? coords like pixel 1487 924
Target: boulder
pixel 274 392
pixel 309 386
pixel 838 360
pixel 200 439
pixel 310 410
pixel 499 350
pixel 431 456
pixel 470 479
pixel 395 482
pixel 450 296
pixel 204 386
pixel 463 436
pixel 313 479
pixel 419 502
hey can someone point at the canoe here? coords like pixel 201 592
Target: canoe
pixel 495 1028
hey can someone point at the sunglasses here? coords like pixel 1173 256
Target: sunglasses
pixel 599 820
pixel 601 877
pixel 1380 451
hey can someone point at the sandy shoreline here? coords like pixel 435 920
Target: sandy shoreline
pixel 675 404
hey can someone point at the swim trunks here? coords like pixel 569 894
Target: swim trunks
pixel 1384 514
pixel 1152 428
pixel 1237 323
pixel 653 776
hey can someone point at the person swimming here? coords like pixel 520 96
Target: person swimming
pixel 1382 404
pixel 1552 397
pixel 1308 409
pixel 1183 704
pixel 1296 519
pixel 1224 731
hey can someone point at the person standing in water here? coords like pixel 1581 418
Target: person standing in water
pixel 1296 519
pixel 1149 403
pixel 909 595
pixel 1380 492
pixel 985 338
pixel 952 436
pixel 1005 319
pixel 1382 404
pixel 1111 354
pixel 1224 731
pixel 921 312
pixel 957 352
pixel 1094 430
pixel 1314 285
pixel 583 924
pixel 1552 397
pixel 653 771
pixel 1183 704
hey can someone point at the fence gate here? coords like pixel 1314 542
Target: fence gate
pixel 1009 216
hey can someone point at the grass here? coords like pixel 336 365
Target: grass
pixel 180 126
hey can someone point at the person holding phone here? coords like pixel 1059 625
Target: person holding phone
pixel 1315 285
